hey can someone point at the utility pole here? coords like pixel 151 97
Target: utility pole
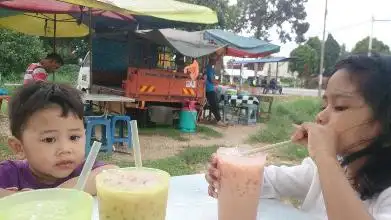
pixel 322 52
pixel 370 44
pixel 371 37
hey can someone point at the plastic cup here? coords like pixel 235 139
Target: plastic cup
pixel 240 184
pixel 132 193
pixel 47 204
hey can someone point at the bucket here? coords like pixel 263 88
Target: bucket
pixel 188 120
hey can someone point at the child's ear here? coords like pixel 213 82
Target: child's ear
pixel 16 147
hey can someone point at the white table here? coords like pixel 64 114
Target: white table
pixel 189 200
pixel 106 98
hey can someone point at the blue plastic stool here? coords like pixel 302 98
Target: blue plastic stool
pixel 121 138
pixel 107 141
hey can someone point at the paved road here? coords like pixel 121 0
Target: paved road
pixel 303 92
pixel 296 91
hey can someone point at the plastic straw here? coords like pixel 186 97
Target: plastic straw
pixel 266 148
pixel 136 144
pixel 85 172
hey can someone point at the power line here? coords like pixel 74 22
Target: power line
pixel 345 27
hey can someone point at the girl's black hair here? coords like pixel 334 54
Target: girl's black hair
pixel 373 77
pixel 34 97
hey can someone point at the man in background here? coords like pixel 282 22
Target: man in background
pixel 37 72
pixel 193 69
pixel 211 94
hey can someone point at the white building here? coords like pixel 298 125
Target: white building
pixel 274 67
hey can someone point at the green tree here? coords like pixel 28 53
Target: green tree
pixel 17 51
pixel 306 62
pixel 377 46
pixel 344 52
pixel 70 49
pixel 316 44
pixel 332 53
pixel 227 14
pixel 260 16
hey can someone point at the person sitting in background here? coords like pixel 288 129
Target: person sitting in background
pixel 39 71
pixel 48 138
pixel 193 69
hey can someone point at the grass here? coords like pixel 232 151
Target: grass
pixel 5 152
pixel 66 74
pixel 279 128
pixel 188 162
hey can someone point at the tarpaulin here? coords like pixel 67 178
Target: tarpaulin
pixel 190 44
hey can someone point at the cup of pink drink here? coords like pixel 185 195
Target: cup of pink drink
pixel 240 184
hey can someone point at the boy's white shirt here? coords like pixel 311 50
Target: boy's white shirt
pixel 302 182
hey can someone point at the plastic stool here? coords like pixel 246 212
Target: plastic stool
pixel 248 114
pixel 107 141
pixel 121 138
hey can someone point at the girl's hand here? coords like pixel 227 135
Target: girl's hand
pixel 213 176
pixel 320 140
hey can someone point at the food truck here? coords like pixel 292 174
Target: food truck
pixel 142 65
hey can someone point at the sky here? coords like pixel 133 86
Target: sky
pixel 347 20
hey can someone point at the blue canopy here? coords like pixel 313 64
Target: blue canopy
pixel 264 60
pixel 241 46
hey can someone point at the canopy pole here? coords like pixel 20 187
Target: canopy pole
pixel 90 44
pixel 54 41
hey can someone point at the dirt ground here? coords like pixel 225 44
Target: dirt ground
pixel 157 147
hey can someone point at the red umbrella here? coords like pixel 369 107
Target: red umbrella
pixel 54 7
pixel 51 15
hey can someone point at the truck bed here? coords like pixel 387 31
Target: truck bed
pixel 103 89
pixel 156 85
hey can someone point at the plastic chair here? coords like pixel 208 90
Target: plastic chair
pixel 248 114
pixel 105 123
pixel 121 138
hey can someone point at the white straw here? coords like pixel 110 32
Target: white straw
pixel 266 148
pixel 85 172
pixel 136 144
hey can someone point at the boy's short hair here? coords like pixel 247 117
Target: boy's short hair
pixel 55 57
pixel 34 97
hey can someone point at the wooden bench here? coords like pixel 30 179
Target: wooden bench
pixel 265 99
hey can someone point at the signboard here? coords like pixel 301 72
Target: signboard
pixel 191 84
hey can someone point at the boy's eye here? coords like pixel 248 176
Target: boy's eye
pixel 75 137
pixel 340 108
pixel 49 140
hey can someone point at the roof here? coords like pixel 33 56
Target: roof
pixel 240 46
pixel 190 44
pixel 264 60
